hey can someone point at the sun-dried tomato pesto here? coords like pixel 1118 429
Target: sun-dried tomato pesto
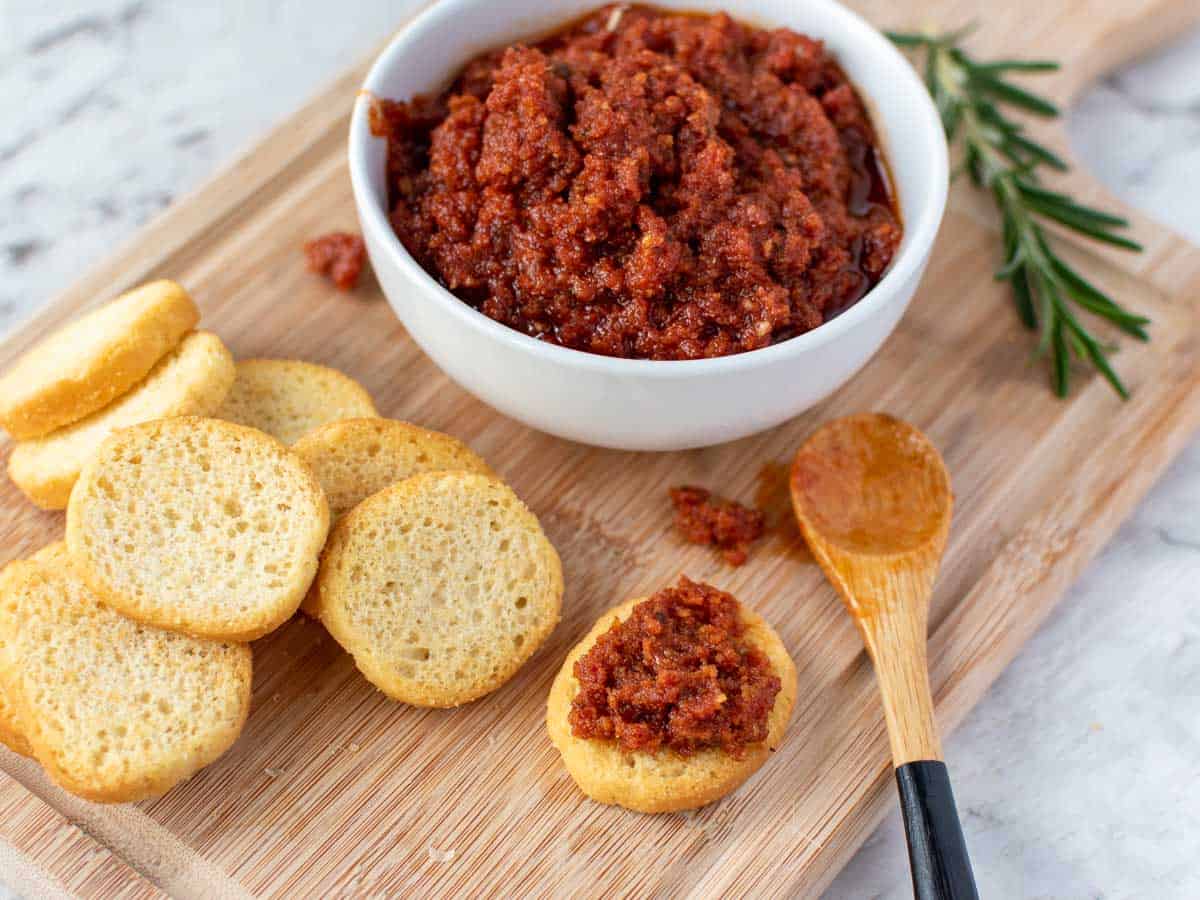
pixel 729 526
pixel 676 673
pixel 339 256
pixel 646 185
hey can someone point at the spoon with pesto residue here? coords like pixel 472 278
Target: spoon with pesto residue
pixel 873 499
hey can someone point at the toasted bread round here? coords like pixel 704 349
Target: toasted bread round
pixel 440 587
pixel 663 781
pixel 191 380
pixel 86 365
pixel 115 711
pixel 355 458
pixel 287 398
pixel 198 525
pixel 11 734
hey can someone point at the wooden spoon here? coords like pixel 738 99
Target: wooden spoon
pixel 873 499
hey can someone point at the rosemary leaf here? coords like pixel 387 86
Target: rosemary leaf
pixel 1037 153
pixel 1010 93
pixel 1065 215
pixel 1062 362
pixel 1014 65
pixel 905 39
pixel 1098 216
pixel 1024 298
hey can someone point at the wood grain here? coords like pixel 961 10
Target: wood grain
pixel 335 791
pixel 44 855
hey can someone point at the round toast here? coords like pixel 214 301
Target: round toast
pixel 663 781
pixel 193 379
pixel 11 733
pixel 356 458
pixel 440 587
pixel 199 526
pixel 115 711
pixel 94 360
pixel 287 398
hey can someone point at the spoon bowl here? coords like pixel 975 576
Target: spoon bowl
pixel 872 485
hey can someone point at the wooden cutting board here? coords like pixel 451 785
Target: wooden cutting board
pixel 335 791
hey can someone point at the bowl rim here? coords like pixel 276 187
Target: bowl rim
pixel 920 232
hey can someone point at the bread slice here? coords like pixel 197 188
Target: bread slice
pixel 11 734
pixel 355 458
pixel 94 360
pixel 440 587
pixel 191 380
pixel 287 398
pixel 198 525
pixel 663 781
pixel 114 710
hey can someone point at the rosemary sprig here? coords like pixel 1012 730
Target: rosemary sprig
pixel 973 99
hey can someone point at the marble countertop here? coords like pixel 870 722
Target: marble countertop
pixel 1099 716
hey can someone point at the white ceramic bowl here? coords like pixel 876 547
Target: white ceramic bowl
pixel 646 404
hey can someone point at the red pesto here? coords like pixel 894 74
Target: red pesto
pixel 339 256
pixel 676 674
pixel 646 185
pixel 725 524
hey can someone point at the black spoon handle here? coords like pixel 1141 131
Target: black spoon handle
pixel 941 869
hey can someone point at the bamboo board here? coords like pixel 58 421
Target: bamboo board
pixel 334 791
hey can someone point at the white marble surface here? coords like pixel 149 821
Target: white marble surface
pixel 1078 775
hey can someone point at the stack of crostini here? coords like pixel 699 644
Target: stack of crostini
pixel 199 495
